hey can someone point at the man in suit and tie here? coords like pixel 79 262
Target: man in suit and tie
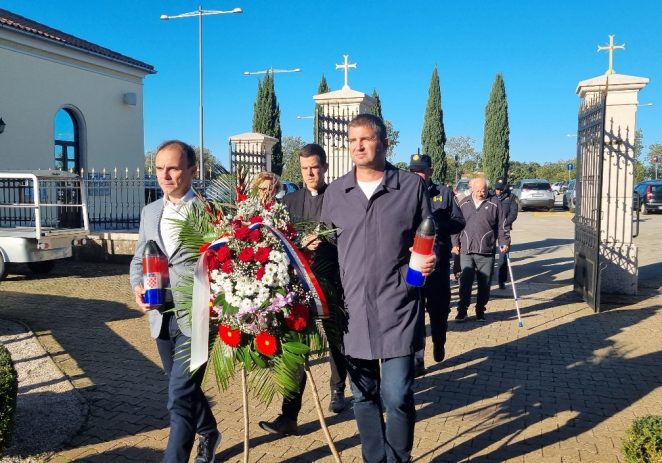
pixel 190 412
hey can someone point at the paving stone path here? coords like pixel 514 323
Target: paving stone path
pixel 561 389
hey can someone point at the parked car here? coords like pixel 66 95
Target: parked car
pixel 570 196
pixel 534 193
pixel 288 187
pixel 461 188
pixel 559 187
pixel 649 194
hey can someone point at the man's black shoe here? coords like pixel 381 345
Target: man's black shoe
pixel 502 285
pixel 480 316
pixel 337 403
pixel 419 370
pixel 207 447
pixel 438 352
pixel 461 316
pixel 282 426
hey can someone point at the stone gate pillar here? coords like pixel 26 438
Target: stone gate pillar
pixel 618 255
pixel 252 151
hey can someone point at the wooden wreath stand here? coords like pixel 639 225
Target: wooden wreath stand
pixel 318 406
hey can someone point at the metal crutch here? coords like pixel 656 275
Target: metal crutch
pixel 512 282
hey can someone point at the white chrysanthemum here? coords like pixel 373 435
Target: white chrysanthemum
pixel 270 269
pixel 268 279
pixel 246 303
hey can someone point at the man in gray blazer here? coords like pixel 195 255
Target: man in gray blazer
pixel 190 412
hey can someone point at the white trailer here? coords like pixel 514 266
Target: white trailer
pixel 42 214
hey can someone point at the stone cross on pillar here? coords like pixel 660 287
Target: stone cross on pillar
pixel 610 48
pixel 346 66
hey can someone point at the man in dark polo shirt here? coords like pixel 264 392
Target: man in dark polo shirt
pixel 376 209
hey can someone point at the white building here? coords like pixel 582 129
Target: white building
pixel 67 103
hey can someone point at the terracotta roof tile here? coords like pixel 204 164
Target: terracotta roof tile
pixel 13 21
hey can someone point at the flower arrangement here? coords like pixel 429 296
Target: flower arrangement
pixel 264 303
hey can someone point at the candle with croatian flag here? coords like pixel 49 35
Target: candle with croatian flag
pixel 155 268
pixel 423 247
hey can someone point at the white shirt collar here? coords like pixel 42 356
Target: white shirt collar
pixel 187 198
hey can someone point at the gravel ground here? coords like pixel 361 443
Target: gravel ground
pixel 49 410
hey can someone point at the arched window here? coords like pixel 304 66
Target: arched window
pixel 67 147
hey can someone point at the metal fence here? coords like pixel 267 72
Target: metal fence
pixel 115 201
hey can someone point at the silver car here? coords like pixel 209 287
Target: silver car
pixel 534 193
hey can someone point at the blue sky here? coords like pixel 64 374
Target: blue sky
pixel 543 50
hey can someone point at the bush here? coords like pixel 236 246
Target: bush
pixel 643 440
pixel 8 390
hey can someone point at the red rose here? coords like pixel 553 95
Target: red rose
pixel 254 236
pixel 227 267
pixel 212 262
pixel 256 219
pixel 231 337
pixel 266 344
pixel 260 273
pixel 203 248
pixel 241 197
pixel 262 254
pixel 223 253
pixel 297 320
pixel 246 255
pixel 241 233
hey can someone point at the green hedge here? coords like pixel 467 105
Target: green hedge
pixel 8 390
pixel 643 440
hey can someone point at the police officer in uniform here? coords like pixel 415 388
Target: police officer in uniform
pixel 436 293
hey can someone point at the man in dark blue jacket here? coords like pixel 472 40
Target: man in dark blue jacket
pixel 437 290
pixel 485 223
pixel 509 206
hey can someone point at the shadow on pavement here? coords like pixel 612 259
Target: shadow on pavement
pixel 124 454
pixel 573 374
pixel 126 392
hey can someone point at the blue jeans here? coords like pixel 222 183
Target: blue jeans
pixel 391 441
pixel 189 410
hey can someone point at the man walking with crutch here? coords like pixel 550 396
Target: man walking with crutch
pixel 485 223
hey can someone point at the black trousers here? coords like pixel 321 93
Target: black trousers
pixel 503 270
pixel 436 297
pixel 292 406
pixel 479 266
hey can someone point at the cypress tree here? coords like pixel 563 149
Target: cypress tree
pixel 496 136
pixel 376 110
pixel 433 136
pixel 266 119
pixel 323 87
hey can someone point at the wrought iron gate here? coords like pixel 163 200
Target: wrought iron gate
pixel 590 156
pixel 331 124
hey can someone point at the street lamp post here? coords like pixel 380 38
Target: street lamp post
pixel 270 71
pixel 200 13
